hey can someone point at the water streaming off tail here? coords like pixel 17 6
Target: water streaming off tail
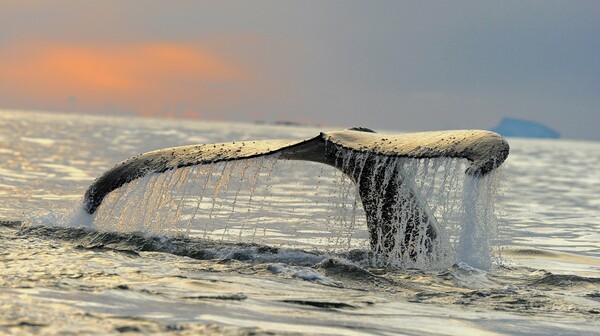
pixel 312 206
pixel 260 200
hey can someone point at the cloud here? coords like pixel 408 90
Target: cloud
pixel 147 77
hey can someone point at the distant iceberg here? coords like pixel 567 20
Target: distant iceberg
pixel 511 127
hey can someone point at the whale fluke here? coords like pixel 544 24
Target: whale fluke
pixel 377 187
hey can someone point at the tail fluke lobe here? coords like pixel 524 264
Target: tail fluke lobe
pixel 382 190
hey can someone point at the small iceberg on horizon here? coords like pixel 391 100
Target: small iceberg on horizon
pixel 513 127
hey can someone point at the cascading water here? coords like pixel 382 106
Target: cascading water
pixel 311 206
pixel 479 229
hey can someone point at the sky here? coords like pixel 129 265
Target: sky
pixel 394 65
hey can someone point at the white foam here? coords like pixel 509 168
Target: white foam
pixel 304 273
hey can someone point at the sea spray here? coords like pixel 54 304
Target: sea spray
pixel 311 206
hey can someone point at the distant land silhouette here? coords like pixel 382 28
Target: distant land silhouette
pixel 513 127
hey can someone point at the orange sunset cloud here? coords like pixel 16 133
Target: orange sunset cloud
pixel 148 78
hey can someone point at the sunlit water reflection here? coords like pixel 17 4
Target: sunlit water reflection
pixel 66 281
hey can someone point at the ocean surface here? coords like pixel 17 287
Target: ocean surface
pixel 266 246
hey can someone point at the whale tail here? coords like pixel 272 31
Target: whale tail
pixel 397 220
